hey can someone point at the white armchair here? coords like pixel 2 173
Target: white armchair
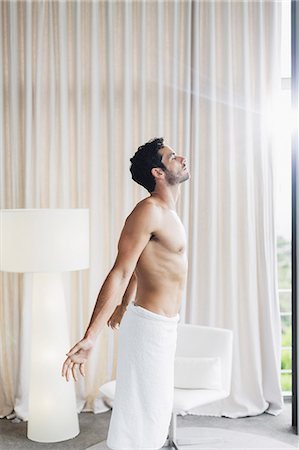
pixel 202 374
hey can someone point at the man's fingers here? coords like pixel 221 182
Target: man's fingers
pixel 62 370
pixel 66 363
pixel 81 368
pixel 69 371
pixel 74 372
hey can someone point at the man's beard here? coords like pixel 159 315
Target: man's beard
pixel 173 179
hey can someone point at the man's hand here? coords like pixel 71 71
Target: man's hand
pixel 77 356
pixel 116 317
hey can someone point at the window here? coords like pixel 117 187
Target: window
pixel 283 200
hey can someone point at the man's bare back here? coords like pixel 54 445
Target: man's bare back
pixel 162 266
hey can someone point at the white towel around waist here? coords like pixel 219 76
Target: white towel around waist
pixel 144 390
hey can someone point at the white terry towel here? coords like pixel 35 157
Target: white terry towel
pixel 144 389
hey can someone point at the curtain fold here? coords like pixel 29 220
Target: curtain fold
pixel 236 67
pixel 82 85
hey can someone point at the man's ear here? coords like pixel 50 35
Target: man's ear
pixel 157 172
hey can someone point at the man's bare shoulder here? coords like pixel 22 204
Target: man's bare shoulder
pixel 147 206
pixel 146 212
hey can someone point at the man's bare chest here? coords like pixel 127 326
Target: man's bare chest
pixel 171 235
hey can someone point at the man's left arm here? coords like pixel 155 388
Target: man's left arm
pixel 120 310
pixel 130 293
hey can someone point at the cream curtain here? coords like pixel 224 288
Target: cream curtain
pixel 82 85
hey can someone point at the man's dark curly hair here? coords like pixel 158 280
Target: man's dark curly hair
pixel 145 159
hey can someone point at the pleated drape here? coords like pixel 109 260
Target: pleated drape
pixel 233 275
pixel 82 85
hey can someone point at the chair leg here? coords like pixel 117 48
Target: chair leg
pixel 172 432
pixel 176 442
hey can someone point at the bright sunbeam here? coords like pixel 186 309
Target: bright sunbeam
pixel 280 119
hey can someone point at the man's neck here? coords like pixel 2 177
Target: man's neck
pixel 168 195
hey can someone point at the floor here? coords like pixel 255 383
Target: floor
pixel 94 428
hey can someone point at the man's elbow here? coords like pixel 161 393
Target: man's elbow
pixel 124 273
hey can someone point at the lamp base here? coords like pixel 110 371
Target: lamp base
pixel 52 414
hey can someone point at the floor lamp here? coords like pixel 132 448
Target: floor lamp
pixel 47 242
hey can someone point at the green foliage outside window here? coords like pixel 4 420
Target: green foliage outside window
pixel 285 301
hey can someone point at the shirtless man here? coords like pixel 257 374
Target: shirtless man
pixel 151 264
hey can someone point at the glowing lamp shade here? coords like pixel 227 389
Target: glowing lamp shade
pixel 44 240
pixel 47 242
